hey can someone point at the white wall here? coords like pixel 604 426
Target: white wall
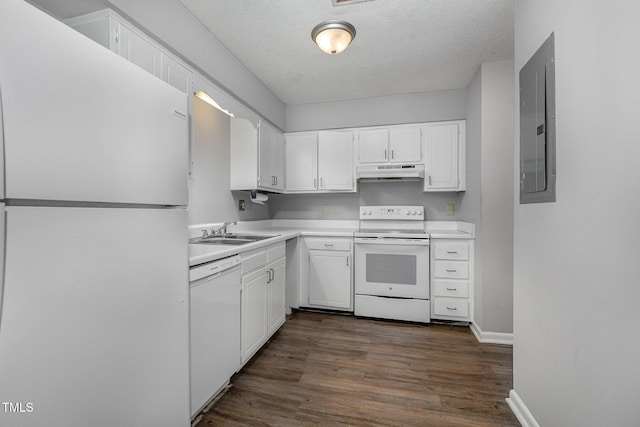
pixel 209 197
pixel 488 201
pixel 346 206
pixel 497 196
pixel 576 261
pixel 382 110
pixel 470 201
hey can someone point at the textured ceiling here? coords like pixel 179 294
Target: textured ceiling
pixel 401 46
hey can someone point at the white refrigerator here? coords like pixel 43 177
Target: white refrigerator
pixel 94 320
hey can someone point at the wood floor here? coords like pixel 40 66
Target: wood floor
pixel 333 370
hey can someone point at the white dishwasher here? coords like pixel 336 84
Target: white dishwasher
pixel 214 329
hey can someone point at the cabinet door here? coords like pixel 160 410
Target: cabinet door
pixel 330 279
pixel 405 144
pixel 271 157
pixel 135 49
pixel 301 161
pixel 335 160
pixel 176 74
pixel 254 313
pixel 276 295
pixel 373 146
pixel 441 157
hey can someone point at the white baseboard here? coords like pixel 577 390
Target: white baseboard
pixel 491 337
pixel 520 410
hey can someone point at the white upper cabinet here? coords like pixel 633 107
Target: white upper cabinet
pixel 335 161
pixel 444 147
pixel 373 146
pixel 117 35
pixel 301 160
pixel 395 144
pixel 405 145
pixel 256 156
pixel 271 158
pixel 319 161
pixel 133 47
pixel 176 74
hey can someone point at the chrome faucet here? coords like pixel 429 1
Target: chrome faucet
pixel 222 230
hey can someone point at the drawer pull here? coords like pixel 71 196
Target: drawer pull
pixel 452 308
pixel 452 271
pixel 329 245
pixel 452 289
pixel 452 252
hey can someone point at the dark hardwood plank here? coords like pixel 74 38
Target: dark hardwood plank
pixel 333 370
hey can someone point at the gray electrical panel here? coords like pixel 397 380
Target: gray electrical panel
pixel 538 126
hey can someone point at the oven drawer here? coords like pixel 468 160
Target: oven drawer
pixel 453 307
pixel 451 250
pixel 451 269
pixel 450 288
pixel 329 244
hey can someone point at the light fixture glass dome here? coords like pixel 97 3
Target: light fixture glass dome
pixel 333 36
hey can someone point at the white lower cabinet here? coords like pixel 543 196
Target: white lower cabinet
pixel 254 313
pixel 452 279
pixel 263 297
pixel 327 276
pixel 276 305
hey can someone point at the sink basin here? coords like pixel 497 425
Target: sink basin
pixel 229 239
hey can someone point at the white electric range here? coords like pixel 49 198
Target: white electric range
pixel 392 264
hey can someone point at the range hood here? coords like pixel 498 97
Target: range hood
pixel 389 172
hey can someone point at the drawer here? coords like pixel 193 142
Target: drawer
pixel 454 307
pixel 451 269
pixel 277 251
pixel 253 260
pixel 450 288
pixel 329 245
pixel 451 250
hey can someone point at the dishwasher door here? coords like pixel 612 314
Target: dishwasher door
pixel 214 333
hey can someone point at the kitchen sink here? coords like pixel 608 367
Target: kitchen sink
pixel 230 239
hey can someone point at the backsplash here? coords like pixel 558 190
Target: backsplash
pixel 346 206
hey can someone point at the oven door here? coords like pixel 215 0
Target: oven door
pixel 392 267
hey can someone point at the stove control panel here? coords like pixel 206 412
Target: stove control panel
pixel 415 213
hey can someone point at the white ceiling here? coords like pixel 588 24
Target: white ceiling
pixel 401 46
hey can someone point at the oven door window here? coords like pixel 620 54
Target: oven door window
pixel 393 270
pixel 387 268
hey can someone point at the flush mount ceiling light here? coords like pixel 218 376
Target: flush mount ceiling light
pixel 333 36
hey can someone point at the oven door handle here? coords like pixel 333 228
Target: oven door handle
pixel 397 242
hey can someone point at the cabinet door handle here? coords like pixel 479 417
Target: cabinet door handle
pixel 385 154
pixel 452 308
pixel 276 180
pixel 392 155
pixel 272 274
pixel 315 183
pixel 347 261
pixel 429 179
pixel 321 183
